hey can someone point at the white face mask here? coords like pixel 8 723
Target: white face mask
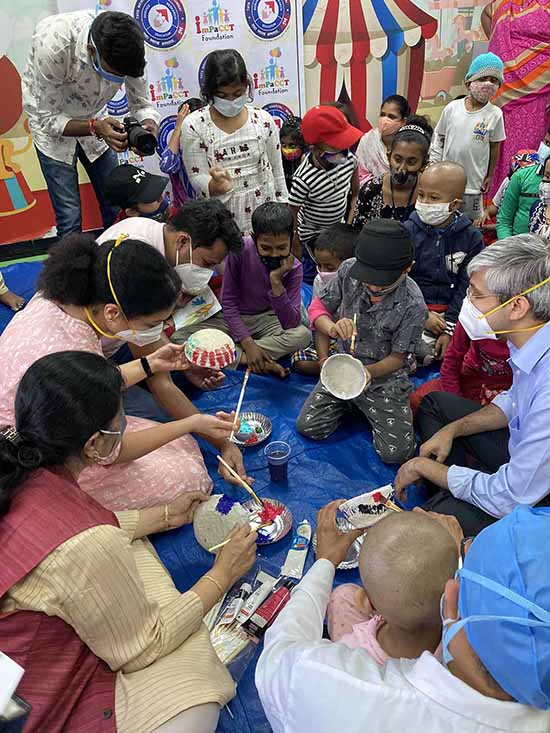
pixel 544 192
pixel 476 327
pixel 194 278
pixel 326 277
pixel 230 107
pixel 432 214
pixel 483 91
pixel 141 338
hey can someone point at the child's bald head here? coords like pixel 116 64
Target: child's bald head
pixel 443 182
pixel 405 561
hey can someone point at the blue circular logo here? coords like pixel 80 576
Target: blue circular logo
pixel 163 22
pixel 267 19
pixel 279 112
pixel 118 106
pixel 166 128
pixel 201 70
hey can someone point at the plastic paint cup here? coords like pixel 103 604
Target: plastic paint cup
pixel 278 454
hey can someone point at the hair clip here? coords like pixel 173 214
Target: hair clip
pixel 12 434
pixel 414 128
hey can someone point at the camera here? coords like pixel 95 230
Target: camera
pixel 139 138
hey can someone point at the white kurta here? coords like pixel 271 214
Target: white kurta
pixel 252 155
pixel 307 683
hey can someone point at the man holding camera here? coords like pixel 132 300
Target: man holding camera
pixel 77 63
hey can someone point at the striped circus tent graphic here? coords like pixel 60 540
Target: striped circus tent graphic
pixel 364 50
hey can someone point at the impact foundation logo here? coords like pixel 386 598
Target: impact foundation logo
pixel 267 19
pixel 215 23
pixel 272 78
pixel 163 22
pixel 170 88
pixel 278 111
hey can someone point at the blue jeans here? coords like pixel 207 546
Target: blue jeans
pixel 62 181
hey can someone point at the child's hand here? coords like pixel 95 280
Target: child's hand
pixel 286 266
pixel 486 185
pixel 441 345
pixel 220 181
pixel 332 543
pixel 182 114
pixel 255 358
pixel 343 329
pixel 435 323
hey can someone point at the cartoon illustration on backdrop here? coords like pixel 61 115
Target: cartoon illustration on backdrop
pixel 364 50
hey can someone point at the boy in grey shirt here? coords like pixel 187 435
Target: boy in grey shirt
pixel 390 312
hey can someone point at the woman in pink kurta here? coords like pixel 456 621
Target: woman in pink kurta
pixel 44 327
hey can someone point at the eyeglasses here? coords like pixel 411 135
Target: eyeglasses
pixel 470 294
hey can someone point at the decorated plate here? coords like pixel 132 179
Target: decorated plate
pixel 253 430
pixel 351 560
pixel 280 526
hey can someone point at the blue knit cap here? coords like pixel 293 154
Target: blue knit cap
pixel 486 64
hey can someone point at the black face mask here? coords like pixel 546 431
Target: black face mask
pixel 400 178
pixel 272 263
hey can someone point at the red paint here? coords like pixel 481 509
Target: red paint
pixel 270 512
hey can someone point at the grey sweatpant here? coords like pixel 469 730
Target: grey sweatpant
pixel 265 329
pixel 385 404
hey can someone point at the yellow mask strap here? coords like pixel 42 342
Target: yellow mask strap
pixel 519 330
pixel 94 324
pixel 510 300
pixel 118 242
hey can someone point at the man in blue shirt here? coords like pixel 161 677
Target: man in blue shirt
pixel 488 460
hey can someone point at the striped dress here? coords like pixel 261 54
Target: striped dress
pixel 321 195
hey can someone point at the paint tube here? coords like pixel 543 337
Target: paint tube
pixel 296 559
pixel 265 615
pixel 257 598
pixel 232 610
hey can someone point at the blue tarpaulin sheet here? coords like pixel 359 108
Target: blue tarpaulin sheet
pixel 341 467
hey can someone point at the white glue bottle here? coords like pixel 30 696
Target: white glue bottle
pixel 296 558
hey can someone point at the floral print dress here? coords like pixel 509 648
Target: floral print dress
pixel 252 155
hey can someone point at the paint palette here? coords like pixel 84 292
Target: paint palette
pixel 279 528
pixel 254 428
pixel 367 509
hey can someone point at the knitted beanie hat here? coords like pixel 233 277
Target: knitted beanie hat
pixel 486 64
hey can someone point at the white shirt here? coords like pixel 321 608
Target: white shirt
pixel 464 137
pixel 307 683
pixel 60 84
pixel 137 227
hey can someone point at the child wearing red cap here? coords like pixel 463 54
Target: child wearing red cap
pixel 320 187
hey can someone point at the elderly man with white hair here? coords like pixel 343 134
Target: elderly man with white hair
pixel 486 461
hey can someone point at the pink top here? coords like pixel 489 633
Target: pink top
pixel 316 309
pixel 43 328
pixel 363 636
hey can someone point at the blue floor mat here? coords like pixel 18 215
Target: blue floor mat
pixel 341 467
pixel 21 279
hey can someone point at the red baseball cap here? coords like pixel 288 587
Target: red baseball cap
pixel 324 124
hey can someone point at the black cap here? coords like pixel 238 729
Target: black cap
pixel 128 185
pixel 383 250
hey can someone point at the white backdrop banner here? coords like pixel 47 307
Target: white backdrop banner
pixel 179 34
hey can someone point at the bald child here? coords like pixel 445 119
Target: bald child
pixel 405 561
pixel 445 241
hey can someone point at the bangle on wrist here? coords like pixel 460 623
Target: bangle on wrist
pixel 218 585
pixel 146 367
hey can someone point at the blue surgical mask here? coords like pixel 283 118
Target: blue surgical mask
pixel 230 107
pixel 451 627
pixel 160 214
pixel 98 68
pixel 333 160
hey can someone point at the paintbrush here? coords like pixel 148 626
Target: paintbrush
pixel 379 498
pixel 239 405
pixel 352 344
pixel 228 540
pixel 241 481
